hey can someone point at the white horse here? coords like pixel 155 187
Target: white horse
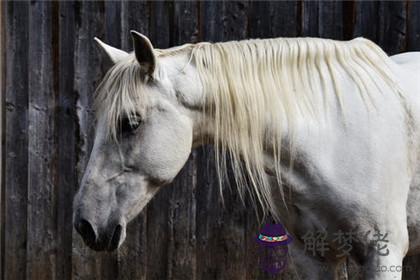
pixel 321 134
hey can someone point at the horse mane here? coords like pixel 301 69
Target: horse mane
pixel 255 90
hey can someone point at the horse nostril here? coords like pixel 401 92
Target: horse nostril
pixel 85 229
pixel 115 239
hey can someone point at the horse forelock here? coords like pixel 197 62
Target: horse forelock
pixel 121 93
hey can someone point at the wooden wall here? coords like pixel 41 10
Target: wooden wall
pixel 50 68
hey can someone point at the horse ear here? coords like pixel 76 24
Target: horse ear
pixel 143 50
pixel 114 54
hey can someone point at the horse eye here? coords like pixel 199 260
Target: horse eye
pixel 128 125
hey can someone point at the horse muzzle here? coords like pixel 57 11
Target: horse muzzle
pixel 97 238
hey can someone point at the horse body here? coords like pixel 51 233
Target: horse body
pixel 355 168
pixel 358 177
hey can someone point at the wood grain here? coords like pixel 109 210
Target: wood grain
pixel 50 69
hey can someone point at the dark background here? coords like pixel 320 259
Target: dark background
pixel 50 68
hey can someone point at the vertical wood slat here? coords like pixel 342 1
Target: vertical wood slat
pixel 2 134
pixel 211 21
pixel 285 18
pixel 259 23
pixel 331 24
pixel 366 20
pixel 323 19
pixel 182 224
pixel 113 23
pixel 392 26
pixel 349 14
pixel 16 144
pixel 235 25
pixel 208 216
pixel 134 16
pixel 310 18
pixel 411 268
pixel 413 26
pixel 67 131
pixel 41 250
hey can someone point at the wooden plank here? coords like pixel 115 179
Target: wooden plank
pixel 349 17
pixel 88 264
pixel 211 20
pixel 392 26
pixel 235 20
pixel 41 145
pixel 185 22
pixel 209 217
pixel 330 20
pixel 134 15
pixel 413 26
pixel 16 140
pixel 310 19
pixel 366 20
pixel 285 18
pixel 411 268
pixel 2 130
pixel 161 27
pixel 259 23
pixel 182 224
pixel 67 129
pixel 323 19
pixel 113 23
